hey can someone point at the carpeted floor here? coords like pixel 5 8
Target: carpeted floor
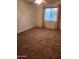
pixel 39 43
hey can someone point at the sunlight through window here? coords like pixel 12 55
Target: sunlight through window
pixel 50 14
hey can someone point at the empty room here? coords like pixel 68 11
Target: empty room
pixel 38 29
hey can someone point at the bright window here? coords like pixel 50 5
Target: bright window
pixel 50 14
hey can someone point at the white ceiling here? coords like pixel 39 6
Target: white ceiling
pixel 30 0
pixel 48 1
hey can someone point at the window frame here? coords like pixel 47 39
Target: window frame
pixel 44 7
pixel 49 19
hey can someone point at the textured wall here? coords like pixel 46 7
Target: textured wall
pixel 51 25
pixel 25 16
pixel 39 14
pixel 30 15
pixel 39 17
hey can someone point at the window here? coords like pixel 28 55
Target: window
pixel 50 14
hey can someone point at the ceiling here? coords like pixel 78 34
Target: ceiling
pixel 48 1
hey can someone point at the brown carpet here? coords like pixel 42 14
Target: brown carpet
pixel 39 43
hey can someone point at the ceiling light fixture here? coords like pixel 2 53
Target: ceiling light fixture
pixel 39 1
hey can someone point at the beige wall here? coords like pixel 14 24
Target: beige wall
pixel 30 15
pixel 39 14
pixel 51 25
pixel 39 17
pixel 25 16
pixel 60 25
